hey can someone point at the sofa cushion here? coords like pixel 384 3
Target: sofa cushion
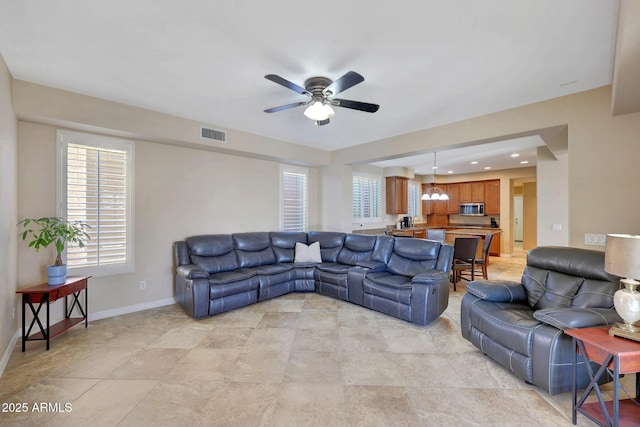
pixel 283 244
pixel 253 249
pixel 509 324
pixel 216 264
pixel 335 268
pixel 310 253
pixel 271 269
pixel 357 247
pixel 389 286
pixel 413 256
pixel 214 252
pixel 330 243
pixel 225 277
pixel 595 293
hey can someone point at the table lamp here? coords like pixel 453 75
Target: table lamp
pixel 622 258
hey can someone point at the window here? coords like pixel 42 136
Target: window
pixel 414 198
pixel 293 198
pixel 366 198
pixel 95 176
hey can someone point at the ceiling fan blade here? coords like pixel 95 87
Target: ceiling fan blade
pixel 284 107
pixel 355 105
pixel 350 79
pixel 286 83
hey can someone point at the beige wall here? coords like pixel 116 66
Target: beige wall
pixel 529 215
pixel 8 216
pixel 178 192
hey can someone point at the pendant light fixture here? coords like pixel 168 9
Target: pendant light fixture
pixel 435 193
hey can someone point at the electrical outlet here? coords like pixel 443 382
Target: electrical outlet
pixel 556 227
pixel 143 285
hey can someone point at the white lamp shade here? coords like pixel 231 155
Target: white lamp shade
pixel 426 196
pixel 319 111
pixel 444 196
pixel 622 255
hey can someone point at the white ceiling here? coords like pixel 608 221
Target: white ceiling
pixel 426 63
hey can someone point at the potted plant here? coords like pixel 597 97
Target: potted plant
pixel 44 231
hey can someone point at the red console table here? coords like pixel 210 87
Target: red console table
pixel 43 295
pixel 620 355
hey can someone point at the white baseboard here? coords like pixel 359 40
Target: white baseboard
pixel 130 309
pixel 7 354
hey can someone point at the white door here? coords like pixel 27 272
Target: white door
pixel 517 218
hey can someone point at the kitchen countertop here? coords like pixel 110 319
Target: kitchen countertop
pixel 475 231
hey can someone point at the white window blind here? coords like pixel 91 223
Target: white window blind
pixel 293 199
pixel 414 198
pixel 95 188
pixel 366 197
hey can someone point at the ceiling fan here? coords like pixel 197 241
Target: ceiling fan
pixel 320 91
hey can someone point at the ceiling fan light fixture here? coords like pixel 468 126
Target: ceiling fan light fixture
pixel 319 111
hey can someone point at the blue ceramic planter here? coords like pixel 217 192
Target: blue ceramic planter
pixel 57 275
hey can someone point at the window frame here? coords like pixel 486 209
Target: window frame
pixel 287 169
pixel 65 137
pixel 364 219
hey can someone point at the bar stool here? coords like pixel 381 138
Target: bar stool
pixel 465 251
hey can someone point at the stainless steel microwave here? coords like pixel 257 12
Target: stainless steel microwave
pixel 472 209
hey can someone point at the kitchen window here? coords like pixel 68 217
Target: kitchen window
pixel 95 185
pixel 367 198
pixel 414 197
pixel 293 198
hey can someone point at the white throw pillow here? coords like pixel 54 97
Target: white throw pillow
pixel 309 253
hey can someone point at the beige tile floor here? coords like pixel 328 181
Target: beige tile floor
pixel 301 359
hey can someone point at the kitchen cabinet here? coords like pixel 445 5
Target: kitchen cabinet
pixel 477 192
pixel 465 192
pixel 426 204
pixel 492 197
pixel 397 188
pixel 420 233
pixel 453 191
pixel 438 220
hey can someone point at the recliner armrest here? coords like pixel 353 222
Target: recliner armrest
pixel 192 271
pixel 371 266
pixel 430 277
pixel 497 290
pixel 575 318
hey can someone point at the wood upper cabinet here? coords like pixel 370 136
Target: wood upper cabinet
pixel 453 191
pixel 465 192
pixel 477 192
pixel 397 192
pixel 426 204
pixel 472 192
pixel 492 197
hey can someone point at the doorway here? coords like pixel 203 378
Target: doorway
pixel 517 219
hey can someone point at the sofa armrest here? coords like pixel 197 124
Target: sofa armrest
pixel 191 271
pixel 372 266
pixel 430 277
pixel 497 290
pixel 575 318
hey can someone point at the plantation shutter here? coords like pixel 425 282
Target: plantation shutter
pixel 413 198
pixel 96 193
pixel 294 201
pixel 366 197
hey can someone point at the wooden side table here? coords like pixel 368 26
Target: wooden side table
pixel 44 294
pixel 620 355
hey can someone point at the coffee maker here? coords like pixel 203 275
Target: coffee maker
pixel 494 224
pixel 407 222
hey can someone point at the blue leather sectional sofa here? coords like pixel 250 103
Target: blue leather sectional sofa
pixel 401 277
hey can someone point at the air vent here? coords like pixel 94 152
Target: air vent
pixel 213 134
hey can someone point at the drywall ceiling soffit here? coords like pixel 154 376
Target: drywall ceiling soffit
pixel 625 96
pixel 431 63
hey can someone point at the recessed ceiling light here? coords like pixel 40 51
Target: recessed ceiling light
pixel 487 167
pixel 515 155
pixel 524 162
pixel 434 167
pixel 449 171
pixel 474 163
